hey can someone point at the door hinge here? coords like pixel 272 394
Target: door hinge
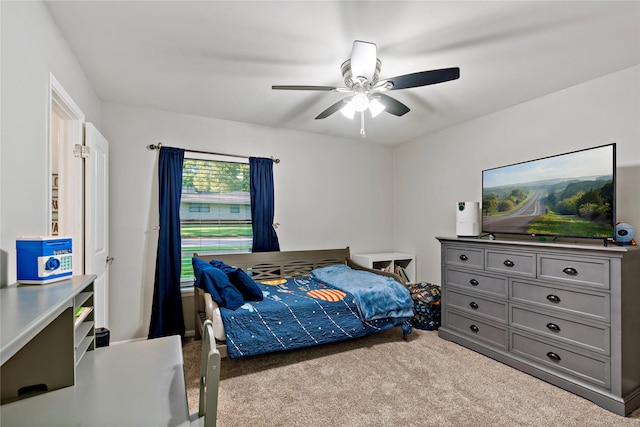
pixel 81 151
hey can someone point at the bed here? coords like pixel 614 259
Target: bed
pixel 299 309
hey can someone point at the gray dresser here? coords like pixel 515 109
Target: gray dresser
pixel 567 314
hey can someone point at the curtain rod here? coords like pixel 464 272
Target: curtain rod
pixel 159 145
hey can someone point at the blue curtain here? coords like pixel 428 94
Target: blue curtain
pixel 265 238
pixel 166 312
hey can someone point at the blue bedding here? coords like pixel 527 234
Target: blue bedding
pixel 297 312
pixel 376 296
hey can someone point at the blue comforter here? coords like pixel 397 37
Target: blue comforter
pixel 295 313
pixel 376 296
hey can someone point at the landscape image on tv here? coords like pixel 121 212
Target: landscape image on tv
pixel 569 195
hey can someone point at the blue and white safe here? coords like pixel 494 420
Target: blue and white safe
pixel 44 259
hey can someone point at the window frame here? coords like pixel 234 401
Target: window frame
pixel 188 283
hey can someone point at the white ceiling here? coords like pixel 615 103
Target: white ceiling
pixel 220 58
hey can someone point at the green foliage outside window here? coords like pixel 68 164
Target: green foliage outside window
pixel 206 176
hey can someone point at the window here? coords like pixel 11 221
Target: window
pixel 215 209
pixel 193 207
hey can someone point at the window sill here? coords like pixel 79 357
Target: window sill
pixel 186 291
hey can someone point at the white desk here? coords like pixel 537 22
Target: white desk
pixel 134 384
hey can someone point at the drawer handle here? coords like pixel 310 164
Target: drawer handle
pixel 553 327
pixel 473 305
pixel 570 271
pixel 474 328
pixel 553 356
pixel 553 298
pixel 474 282
pixel 463 257
pixel 509 263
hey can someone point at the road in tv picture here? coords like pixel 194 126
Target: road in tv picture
pixel 568 195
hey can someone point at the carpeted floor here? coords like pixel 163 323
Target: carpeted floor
pixel 382 380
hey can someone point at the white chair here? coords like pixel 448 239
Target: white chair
pixel 209 379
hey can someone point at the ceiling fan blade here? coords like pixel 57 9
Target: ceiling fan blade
pixel 295 87
pixel 392 105
pixel 332 109
pixel 363 60
pixel 423 78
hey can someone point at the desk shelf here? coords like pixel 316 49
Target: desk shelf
pixel 87 344
pixel 40 346
pixel 84 338
pixel 83 297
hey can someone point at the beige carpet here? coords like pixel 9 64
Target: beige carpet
pixel 382 380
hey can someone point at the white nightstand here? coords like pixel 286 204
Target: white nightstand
pixel 389 261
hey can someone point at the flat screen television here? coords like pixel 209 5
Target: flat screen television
pixel 566 195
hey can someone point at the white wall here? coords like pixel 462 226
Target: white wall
pixel 435 172
pixel 329 192
pixel 31 48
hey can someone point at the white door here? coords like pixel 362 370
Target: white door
pixel 96 218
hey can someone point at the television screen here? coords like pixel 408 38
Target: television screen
pixel 567 195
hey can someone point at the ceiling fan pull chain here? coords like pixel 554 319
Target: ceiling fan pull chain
pixel 362 132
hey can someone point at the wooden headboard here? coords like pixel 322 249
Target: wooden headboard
pixel 281 265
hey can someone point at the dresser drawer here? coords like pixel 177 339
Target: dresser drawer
pixel 590 337
pixel 473 258
pixel 594 305
pixel 495 310
pixel 584 271
pixel 523 264
pixel 476 328
pixel 592 369
pixel 477 281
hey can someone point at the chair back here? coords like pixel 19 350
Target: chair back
pixel 209 376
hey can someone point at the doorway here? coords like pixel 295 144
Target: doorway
pixel 66 178
pixel 79 190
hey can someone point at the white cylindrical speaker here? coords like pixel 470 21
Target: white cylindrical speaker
pixel 468 219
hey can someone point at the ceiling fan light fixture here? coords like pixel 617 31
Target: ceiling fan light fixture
pixel 348 111
pixel 360 102
pixel 376 107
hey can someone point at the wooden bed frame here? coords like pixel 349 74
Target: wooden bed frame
pixel 269 266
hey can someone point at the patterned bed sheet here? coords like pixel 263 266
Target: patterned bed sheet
pixel 296 312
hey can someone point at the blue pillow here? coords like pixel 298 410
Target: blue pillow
pixel 216 282
pixel 246 285
pixel 241 280
pixel 222 266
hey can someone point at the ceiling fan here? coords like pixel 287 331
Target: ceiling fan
pixel 366 92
